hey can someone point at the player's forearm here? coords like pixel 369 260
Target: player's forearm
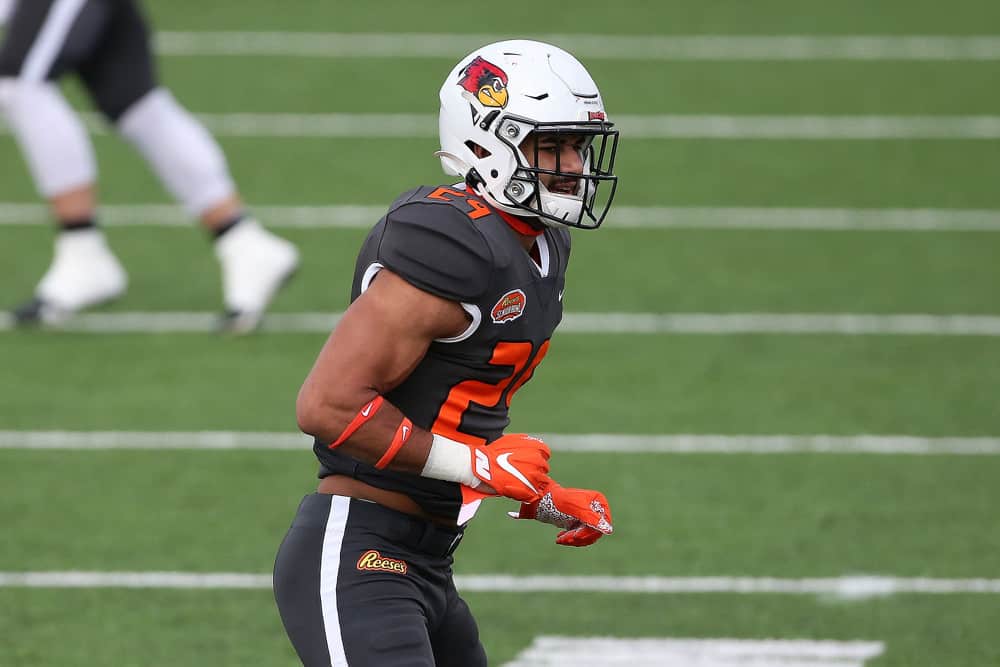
pixel 379 433
pixel 351 415
pixel 388 440
pixel 329 418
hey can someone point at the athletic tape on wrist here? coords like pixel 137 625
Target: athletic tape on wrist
pixel 364 414
pixel 398 440
pixel 451 461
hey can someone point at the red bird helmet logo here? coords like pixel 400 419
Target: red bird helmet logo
pixel 486 82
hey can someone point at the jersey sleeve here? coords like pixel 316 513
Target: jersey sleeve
pixel 438 249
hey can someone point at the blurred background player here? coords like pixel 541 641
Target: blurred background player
pixel 106 43
pixel 457 291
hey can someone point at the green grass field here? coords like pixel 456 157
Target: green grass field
pixel 790 517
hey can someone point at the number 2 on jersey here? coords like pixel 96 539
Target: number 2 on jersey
pixel 523 360
pixel 479 209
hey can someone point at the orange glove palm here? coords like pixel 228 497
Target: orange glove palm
pixel 584 515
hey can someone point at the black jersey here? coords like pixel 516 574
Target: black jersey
pixel 446 242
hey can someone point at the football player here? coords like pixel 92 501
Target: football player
pixel 106 44
pixel 457 291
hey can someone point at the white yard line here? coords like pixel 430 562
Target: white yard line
pixel 425 126
pixel 589 442
pixel 611 47
pixel 837 324
pixel 848 587
pixel 576 651
pixel 622 217
pixel 810 127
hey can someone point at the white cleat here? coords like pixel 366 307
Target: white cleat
pixel 255 265
pixel 84 273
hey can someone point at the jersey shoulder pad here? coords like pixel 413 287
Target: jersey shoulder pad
pixel 437 249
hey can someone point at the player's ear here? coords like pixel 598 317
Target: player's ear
pixel 480 151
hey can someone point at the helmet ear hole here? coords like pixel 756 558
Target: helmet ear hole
pixel 494 173
pixel 479 151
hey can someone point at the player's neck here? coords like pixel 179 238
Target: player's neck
pixel 528 240
pixel 526 232
pixel 527 229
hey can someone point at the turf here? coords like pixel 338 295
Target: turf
pixel 784 516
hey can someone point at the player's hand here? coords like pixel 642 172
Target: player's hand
pixel 514 466
pixel 584 515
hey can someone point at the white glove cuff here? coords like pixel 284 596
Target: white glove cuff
pixel 449 460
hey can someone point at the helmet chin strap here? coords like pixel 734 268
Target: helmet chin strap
pixel 558 205
pixel 547 200
pixel 506 208
pixel 476 183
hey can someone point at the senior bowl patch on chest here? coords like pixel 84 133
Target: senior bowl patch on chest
pixel 509 307
pixel 373 560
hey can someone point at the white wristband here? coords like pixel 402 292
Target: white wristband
pixel 449 460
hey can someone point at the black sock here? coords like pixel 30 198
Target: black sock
pixel 217 232
pixel 77 225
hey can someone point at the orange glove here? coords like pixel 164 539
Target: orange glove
pixel 514 466
pixel 584 515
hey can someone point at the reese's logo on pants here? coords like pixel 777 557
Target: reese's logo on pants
pixel 373 560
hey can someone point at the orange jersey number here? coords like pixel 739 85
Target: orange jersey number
pixel 478 208
pixel 522 359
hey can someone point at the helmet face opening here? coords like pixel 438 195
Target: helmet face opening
pixel 546 191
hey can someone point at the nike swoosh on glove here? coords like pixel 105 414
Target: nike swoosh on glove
pixel 583 514
pixel 514 466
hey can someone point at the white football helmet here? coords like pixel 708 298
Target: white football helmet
pixel 498 95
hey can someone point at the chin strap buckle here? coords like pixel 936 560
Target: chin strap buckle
pixel 473 180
